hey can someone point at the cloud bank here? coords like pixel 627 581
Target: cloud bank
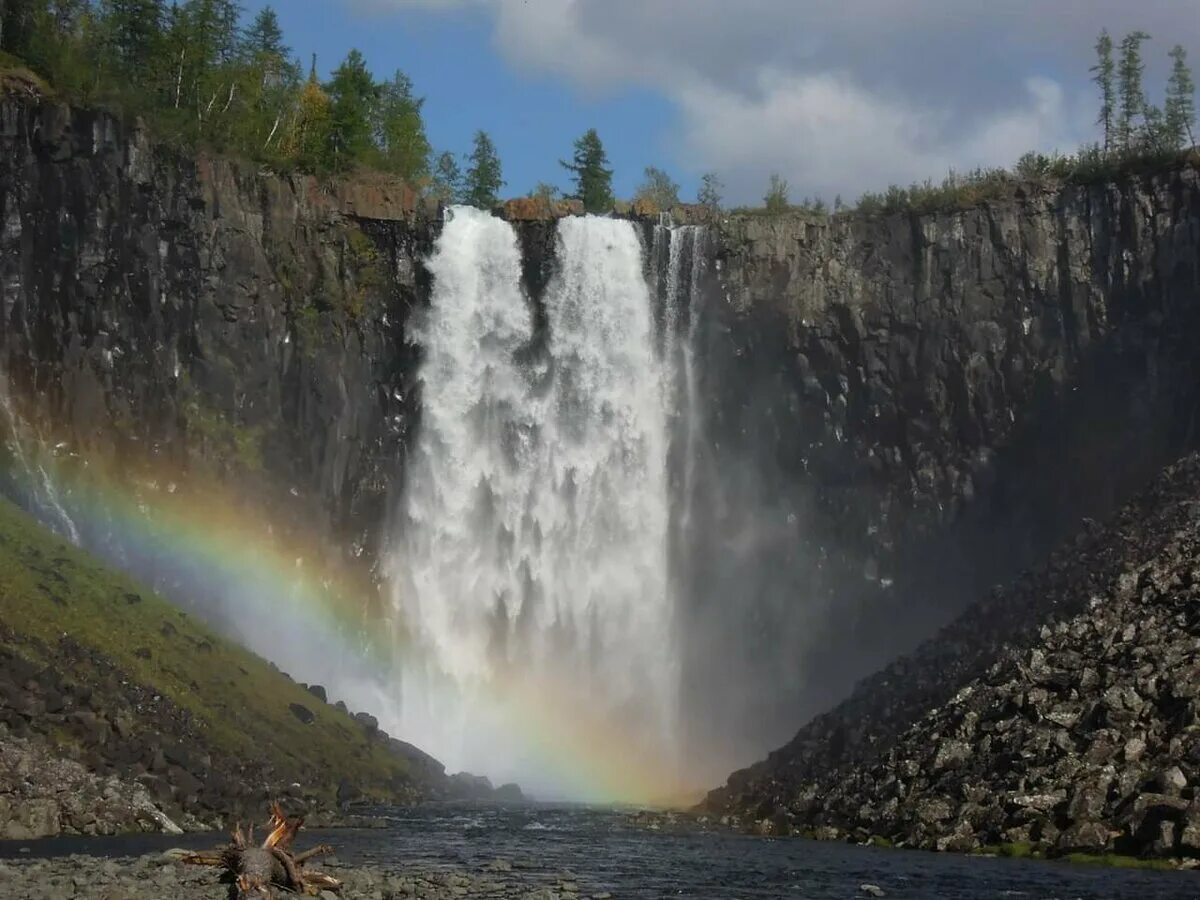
pixel 839 96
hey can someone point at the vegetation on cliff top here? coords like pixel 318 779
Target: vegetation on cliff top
pixel 200 76
pixel 53 593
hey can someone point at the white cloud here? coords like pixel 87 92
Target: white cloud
pixel 839 95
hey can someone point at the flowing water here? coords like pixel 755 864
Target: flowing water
pixel 606 851
pixel 532 566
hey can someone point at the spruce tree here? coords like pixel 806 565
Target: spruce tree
pixel 353 93
pixel 593 178
pixel 264 38
pixel 1132 96
pixel 401 130
pixel 1104 71
pixel 446 184
pixel 483 181
pixel 134 30
pixel 1180 109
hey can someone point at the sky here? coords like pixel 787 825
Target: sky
pixel 837 96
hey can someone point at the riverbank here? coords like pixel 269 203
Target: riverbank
pixel 155 876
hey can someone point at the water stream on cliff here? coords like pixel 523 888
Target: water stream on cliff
pixel 532 568
pixel 25 476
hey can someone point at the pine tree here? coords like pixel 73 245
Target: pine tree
pixel 483 182
pixel 1180 110
pixel 401 130
pixel 446 184
pixel 1104 71
pixel 354 95
pixel 658 188
pixel 593 178
pixel 1133 97
pixel 710 191
pixel 776 198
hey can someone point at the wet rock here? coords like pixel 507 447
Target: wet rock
pixel 302 712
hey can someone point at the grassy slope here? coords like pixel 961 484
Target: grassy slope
pixel 48 589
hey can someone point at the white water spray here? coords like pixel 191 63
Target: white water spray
pixel 535 537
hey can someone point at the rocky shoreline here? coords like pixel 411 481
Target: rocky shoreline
pixel 1060 715
pixel 156 876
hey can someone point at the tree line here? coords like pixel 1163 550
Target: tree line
pixel 201 76
pixel 1135 132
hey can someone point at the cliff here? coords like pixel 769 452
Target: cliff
pixel 195 313
pixel 929 403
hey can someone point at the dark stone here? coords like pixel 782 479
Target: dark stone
pixel 319 692
pixel 303 713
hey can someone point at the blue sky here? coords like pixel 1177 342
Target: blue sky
pixel 467 85
pixel 837 96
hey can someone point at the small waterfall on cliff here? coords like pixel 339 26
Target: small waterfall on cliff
pixel 532 564
pixel 29 484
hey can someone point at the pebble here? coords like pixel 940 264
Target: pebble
pixel 160 875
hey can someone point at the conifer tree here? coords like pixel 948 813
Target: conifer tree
pixel 446 184
pixel 483 182
pixel 1132 95
pixel 1180 107
pixel 354 94
pixel 263 40
pixel 593 178
pixel 134 31
pixel 401 130
pixel 1104 71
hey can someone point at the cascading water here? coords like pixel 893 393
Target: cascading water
pixel 27 480
pixel 532 565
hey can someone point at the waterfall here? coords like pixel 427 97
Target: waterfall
pixel 531 565
pixel 28 482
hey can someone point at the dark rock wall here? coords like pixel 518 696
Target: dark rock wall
pixel 196 312
pixel 917 407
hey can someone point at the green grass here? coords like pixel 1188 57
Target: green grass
pixel 1117 861
pixel 1023 850
pixel 50 589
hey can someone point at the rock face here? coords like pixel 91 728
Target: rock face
pixel 195 312
pixel 44 795
pixel 1061 712
pixel 913 408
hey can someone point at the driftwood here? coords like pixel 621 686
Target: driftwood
pixel 258 869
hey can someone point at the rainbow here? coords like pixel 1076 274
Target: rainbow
pixel 214 551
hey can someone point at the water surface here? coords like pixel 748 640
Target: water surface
pixel 605 851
